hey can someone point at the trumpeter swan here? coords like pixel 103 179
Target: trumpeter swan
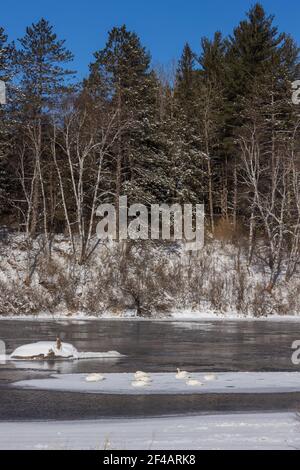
pixel 139 383
pixel 94 378
pixel 144 379
pixel 210 377
pixel 193 382
pixel 181 374
pixel 139 374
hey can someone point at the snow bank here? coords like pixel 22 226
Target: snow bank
pixel 194 316
pixel 166 383
pixel 255 431
pixel 48 350
pixel 209 285
pixel 44 350
pixel 99 355
pixel 177 316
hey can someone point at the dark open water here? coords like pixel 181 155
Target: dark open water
pixel 150 346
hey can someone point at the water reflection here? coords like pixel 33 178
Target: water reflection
pixel 160 346
pixel 63 366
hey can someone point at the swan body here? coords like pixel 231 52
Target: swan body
pixel 94 378
pixel 141 379
pixel 145 379
pixel 210 377
pixel 139 374
pixel 139 383
pixel 181 374
pixel 193 382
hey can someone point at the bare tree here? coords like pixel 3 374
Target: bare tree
pixel 272 190
pixel 84 146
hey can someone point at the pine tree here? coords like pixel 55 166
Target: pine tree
pixel 121 73
pixel 187 159
pixel 212 58
pixel 185 86
pixel 6 52
pixel 257 52
pixel 42 68
pixel 259 60
pixel 211 101
pixel 43 79
pixel 6 72
pixel 198 105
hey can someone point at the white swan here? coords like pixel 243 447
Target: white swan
pixel 139 383
pixel 210 377
pixel 139 374
pixel 145 379
pixel 193 382
pixel 94 378
pixel 181 374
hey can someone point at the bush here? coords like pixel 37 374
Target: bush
pixel 151 279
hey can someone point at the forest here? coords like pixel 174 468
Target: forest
pixel 218 127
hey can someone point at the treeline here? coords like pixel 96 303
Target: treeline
pixel 222 129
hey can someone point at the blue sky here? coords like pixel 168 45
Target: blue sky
pixel 163 25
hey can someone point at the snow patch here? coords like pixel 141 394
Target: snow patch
pixel 48 350
pixel 99 355
pixel 44 350
pixel 255 431
pixel 167 383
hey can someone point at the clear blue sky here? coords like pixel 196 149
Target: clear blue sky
pixel 163 25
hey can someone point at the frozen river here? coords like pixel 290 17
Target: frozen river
pixel 153 346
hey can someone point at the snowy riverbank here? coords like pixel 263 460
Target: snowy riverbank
pixel 140 282
pixel 272 431
pixel 187 316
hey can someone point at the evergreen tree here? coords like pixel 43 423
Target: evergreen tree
pixel 259 60
pixel 198 106
pixel 6 73
pixel 43 79
pixel 212 58
pixel 121 73
pixel 42 68
pixel 186 146
pixel 5 55
pixel 211 102
pixel 257 53
pixel 185 86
